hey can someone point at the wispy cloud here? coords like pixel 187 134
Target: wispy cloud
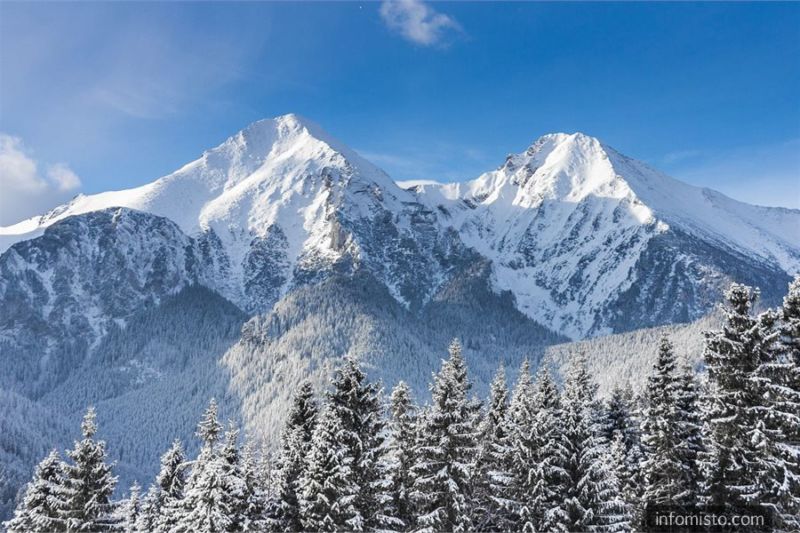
pixel 417 22
pixel 26 191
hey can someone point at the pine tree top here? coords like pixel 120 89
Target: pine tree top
pixel 89 423
pixel 209 428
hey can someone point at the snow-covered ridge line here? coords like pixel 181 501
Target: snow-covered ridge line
pixel 571 223
pixel 283 147
pixel 574 229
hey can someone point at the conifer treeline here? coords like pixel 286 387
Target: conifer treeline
pixel 535 458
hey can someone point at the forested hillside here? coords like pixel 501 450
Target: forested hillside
pixel 532 457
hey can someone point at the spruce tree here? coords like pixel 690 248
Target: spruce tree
pixel 164 502
pixel 622 422
pixel 149 511
pixel 690 439
pixel 739 451
pixel 295 444
pixel 206 506
pixel 400 456
pixel 233 479
pixel 42 507
pixel 544 484
pixel 660 432
pixel 622 418
pixel 357 404
pixel 776 413
pixel 209 428
pixel 787 394
pixel 130 510
pixel 590 495
pixel 520 417
pixel 327 493
pixel 89 482
pixel 443 468
pixel 535 449
pixel 255 499
pixel 493 503
pixel 619 509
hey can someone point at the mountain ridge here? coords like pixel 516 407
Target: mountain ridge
pixel 570 224
pixel 570 219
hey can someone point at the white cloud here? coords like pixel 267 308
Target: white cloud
pixel 24 191
pixel 417 21
pixel 63 177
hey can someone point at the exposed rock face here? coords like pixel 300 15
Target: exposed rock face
pixel 592 242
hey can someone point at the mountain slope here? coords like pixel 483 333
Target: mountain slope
pixel 591 242
pixel 629 358
pixel 586 240
pixel 61 293
pixel 280 202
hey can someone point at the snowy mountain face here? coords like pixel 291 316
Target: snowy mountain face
pixel 591 242
pixel 280 202
pixel 586 240
pixel 63 291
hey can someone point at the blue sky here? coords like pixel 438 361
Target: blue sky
pixel 97 96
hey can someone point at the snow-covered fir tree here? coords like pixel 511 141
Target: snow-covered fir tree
pixel 148 510
pixel 738 441
pixel 255 497
pixel 130 510
pixel 327 493
pixel 207 506
pixel 590 493
pixel 785 389
pixel 209 428
pixel 90 482
pixel 660 431
pixel 445 452
pixel 493 505
pixel 776 413
pixel 622 421
pixel 357 404
pixel 284 508
pixel 623 416
pixel 41 509
pixel 545 481
pixel 233 479
pixel 400 457
pixel 535 459
pixel 620 514
pixel 520 420
pixel 163 503
pixel 690 439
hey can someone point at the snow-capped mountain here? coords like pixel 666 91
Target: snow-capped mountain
pixel 591 241
pixel 587 240
pixel 276 204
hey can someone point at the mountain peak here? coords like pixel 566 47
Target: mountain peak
pixel 253 172
pixel 282 127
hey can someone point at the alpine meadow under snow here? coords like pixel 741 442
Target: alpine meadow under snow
pixel 284 275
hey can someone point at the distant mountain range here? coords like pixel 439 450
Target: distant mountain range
pixel 277 252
